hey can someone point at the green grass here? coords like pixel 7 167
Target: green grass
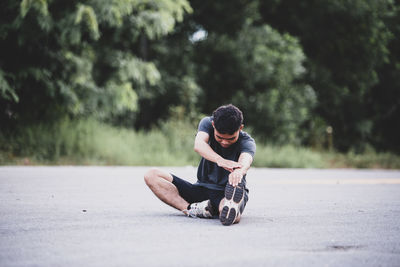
pixel 89 142
pixel 299 157
pixel 288 157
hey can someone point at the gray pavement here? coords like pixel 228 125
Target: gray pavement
pixel 105 216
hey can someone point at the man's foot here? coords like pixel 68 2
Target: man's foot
pixel 233 204
pixel 200 209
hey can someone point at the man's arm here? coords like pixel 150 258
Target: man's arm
pixel 202 147
pixel 245 159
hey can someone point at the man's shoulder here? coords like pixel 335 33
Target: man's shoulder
pixel 244 136
pixel 205 125
pixel 247 143
pixel 207 119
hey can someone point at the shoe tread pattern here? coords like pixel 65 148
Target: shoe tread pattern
pixel 234 196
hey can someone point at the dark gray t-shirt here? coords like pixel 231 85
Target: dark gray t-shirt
pixel 208 173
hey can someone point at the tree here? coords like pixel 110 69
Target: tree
pixel 383 100
pixel 79 57
pixel 260 71
pixel 176 95
pixel 345 43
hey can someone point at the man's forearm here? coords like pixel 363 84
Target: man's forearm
pixel 206 151
pixel 246 160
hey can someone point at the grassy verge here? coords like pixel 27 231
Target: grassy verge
pixel 88 142
pixel 300 157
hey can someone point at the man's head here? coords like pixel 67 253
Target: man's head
pixel 227 122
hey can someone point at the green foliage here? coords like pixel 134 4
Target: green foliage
pixel 161 20
pixel 86 14
pixel 383 99
pixel 177 93
pixel 259 71
pixel 346 42
pixel 276 103
pixel 89 142
pixel 288 156
pixel 296 68
pixel 6 92
pixel 225 17
pixel 39 5
pixel 79 57
pixel 368 159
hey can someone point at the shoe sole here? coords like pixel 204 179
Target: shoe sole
pixel 233 196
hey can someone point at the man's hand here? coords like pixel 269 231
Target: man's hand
pixel 235 177
pixel 228 165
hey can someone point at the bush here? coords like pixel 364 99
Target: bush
pixel 288 157
pixel 89 142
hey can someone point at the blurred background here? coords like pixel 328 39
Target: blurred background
pixel 125 82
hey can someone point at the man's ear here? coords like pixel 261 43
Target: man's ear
pixel 212 122
pixel 241 127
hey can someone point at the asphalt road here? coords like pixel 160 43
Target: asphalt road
pixel 105 216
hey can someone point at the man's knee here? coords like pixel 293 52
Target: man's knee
pixel 150 176
pixel 154 174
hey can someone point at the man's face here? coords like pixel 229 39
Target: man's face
pixel 226 140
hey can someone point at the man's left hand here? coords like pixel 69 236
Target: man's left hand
pixel 235 177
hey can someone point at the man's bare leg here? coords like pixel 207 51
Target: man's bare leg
pixel 161 184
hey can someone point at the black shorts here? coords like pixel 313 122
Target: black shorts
pixel 196 193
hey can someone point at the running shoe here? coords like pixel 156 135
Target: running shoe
pixel 233 204
pixel 200 209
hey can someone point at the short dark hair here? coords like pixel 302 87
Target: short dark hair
pixel 227 119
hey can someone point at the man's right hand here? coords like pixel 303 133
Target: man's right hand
pixel 228 165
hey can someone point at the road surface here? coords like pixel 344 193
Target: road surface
pixel 106 216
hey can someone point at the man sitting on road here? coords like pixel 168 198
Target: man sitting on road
pixel 227 153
